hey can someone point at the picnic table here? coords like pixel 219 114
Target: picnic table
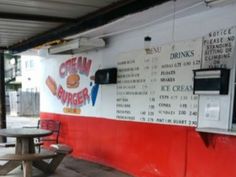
pixel 24 150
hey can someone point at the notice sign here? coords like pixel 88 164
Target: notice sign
pixel 158 87
pixel 218 47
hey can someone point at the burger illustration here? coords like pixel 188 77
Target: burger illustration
pixel 51 85
pixel 73 81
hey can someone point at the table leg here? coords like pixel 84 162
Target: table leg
pixel 18 149
pixel 9 166
pixel 31 146
pixel 49 167
pixel 27 147
pixel 27 168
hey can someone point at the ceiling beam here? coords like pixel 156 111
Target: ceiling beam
pixel 31 17
pixel 87 22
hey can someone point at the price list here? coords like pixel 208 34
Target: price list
pixel 132 88
pixel 176 103
pixel 157 87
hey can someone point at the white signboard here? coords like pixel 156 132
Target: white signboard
pixel 215 111
pixel 68 85
pixel 218 48
pixel 157 87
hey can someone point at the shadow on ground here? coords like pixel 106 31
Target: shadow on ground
pixel 70 167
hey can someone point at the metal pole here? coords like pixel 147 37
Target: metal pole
pixel 2 95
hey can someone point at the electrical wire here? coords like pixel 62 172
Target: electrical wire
pixel 152 22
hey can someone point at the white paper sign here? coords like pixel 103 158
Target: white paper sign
pixel 212 109
pixel 218 48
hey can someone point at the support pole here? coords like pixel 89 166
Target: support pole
pixel 2 95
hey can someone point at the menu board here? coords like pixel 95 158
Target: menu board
pixel 157 86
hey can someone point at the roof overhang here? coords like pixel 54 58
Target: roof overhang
pixel 93 20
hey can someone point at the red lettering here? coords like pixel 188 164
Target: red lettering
pixel 84 65
pixel 62 70
pixel 80 98
pixel 85 94
pixel 64 97
pixel 60 92
pixel 73 65
pixel 68 64
pixel 69 100
pixel 79 63
pixel 73 99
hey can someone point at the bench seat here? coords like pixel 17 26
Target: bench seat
pixel 28 157
pixel 61 148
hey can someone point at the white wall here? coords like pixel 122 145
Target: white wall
pixel 30 68
pixel 186 28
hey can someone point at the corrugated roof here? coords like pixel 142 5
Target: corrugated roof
pixel 23 19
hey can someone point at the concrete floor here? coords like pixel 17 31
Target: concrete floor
pixel 70 167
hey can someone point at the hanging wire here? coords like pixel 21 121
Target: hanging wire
pixel 173 24
pixel 144 25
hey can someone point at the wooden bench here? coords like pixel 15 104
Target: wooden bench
pixel 55 149
pixel 57 153
pixel 14 160
pixel 61 148
pixel 27 157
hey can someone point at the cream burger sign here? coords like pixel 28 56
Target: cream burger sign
pixel 73 95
